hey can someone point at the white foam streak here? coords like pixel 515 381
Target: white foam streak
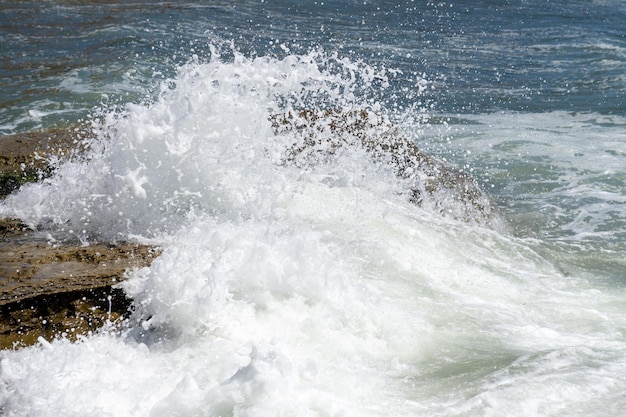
pixel 570 166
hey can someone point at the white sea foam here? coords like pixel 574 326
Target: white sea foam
pixel 564 166
pixel 301 292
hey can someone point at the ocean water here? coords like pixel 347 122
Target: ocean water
pixel 320 289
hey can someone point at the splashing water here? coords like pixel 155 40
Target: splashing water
pixel 205 146
pixel 315 290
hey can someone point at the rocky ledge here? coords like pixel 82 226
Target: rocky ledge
pixel 54 288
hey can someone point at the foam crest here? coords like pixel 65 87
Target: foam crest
pixel 365 308
pixel 217 266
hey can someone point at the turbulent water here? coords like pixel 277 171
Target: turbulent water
pixel 320 289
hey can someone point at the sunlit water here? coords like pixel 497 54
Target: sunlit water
pixel 322 290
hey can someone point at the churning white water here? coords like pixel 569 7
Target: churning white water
pixel 302 291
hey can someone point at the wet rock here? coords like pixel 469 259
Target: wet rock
pixel 55 288
pixel 26 157
pixel 52 289
pixel 429 180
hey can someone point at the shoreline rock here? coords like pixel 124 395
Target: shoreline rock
pixel 53 288
pixel 24 157
pixel 429 181
pixel 60 289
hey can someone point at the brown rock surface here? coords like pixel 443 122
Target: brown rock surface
pixel 24 157
pixel 54 288
pixel 60 289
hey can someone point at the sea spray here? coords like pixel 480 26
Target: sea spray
pixel 205 145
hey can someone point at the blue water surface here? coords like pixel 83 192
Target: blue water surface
pixel 60 57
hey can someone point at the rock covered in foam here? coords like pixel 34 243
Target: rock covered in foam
pixel 429 181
